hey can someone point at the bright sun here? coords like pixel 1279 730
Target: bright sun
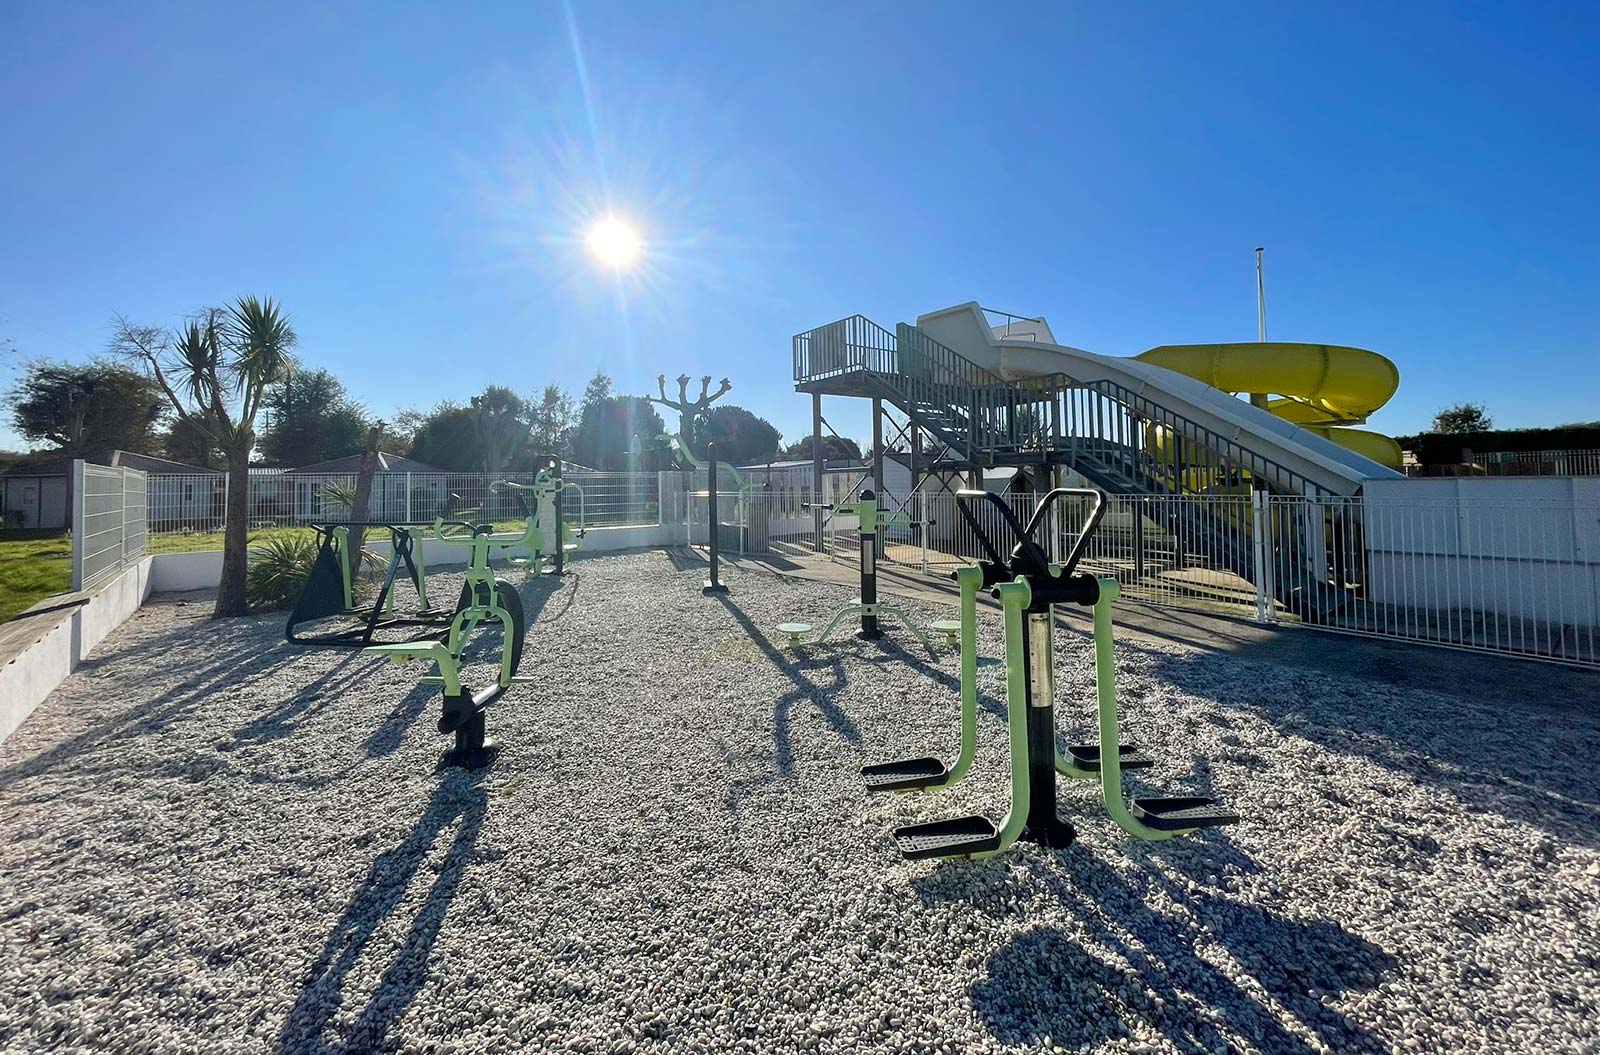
pixel 614 243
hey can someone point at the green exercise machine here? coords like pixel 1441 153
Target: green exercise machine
pixel 485 599
pixel 329 588
pixel 547 550
pixel 867 607
pixel 1029 587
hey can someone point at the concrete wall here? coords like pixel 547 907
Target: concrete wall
pixel 44 664
pixel 1522 547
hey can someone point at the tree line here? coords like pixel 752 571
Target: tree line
pixel 307 415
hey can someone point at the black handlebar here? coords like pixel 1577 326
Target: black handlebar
pixel 1027 551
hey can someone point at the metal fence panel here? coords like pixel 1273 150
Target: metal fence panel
pixel 108 521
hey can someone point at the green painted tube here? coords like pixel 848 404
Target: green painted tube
pixel 1014 597
pixel 1105 680
pixel 341 541
pixel 968 579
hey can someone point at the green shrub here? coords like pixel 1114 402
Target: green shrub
pixel 278 569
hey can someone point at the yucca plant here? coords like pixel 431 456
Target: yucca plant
pixel 278 570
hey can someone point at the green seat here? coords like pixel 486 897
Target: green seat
pixel 794 630
pixel 950 628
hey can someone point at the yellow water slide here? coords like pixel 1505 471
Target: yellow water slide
pixel 1325 388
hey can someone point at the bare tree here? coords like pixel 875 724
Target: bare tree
pixel 690 412
pixel 215 370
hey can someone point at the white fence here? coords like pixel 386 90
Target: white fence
pixel 187 512
pixel 1501 566
pixel 108 521
pixel 1518 576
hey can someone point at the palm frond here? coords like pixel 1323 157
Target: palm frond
pixel 262 340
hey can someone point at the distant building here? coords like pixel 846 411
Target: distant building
pixel 401 489
pixel 38 492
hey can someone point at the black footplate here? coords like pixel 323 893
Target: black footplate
pixel 952 838
pixel 1182 814
pixel 1087 757
pixel 907 774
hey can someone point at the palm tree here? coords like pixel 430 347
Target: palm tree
pixel 215 370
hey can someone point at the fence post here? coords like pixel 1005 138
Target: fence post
pixel 77 524
pixel 922 527
pixel 1261 566
pixel 408 495
pixel 122 516
pixel 225 477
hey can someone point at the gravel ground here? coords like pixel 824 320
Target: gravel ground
pixel 211 841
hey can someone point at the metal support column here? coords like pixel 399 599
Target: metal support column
pixel 877 458
pixel 818 467
pixel 713 584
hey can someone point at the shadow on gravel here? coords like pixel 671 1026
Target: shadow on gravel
pixel 805 689
pixel 1527 761
pixel 460 802
pixel 234 663
pixel 310 700
pixel 537 591
pixel 1086 992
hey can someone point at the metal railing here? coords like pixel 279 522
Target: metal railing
pixel 1513 577
pixel 108 521
pixel 1521 463
pixel 1125 440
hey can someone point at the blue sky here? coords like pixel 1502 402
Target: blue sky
pixel 413 181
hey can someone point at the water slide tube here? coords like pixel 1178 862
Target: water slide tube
pixel 1026 348
pixel 1323 388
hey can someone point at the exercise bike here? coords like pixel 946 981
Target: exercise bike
pixel 1029 586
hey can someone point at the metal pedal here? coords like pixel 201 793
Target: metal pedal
pixel 956 837
pixel 1086 757
pixel 907 774
pixel 1182 813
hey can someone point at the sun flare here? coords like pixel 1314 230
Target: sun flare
pixel 614 243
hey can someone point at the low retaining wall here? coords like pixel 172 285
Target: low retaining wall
pixel 68 628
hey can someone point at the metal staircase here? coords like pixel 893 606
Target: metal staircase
pixel 1125 442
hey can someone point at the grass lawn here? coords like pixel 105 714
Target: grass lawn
pixel 33 565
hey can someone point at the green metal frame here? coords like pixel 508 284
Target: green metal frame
pixel 341 538
pixel 533 534
pixel 1014 599
pixel 485 605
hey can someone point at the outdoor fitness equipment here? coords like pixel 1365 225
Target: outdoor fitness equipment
pixel 867 606
pixel 1029 587
pixel 329 587
pixel 547 483
pixel 484 598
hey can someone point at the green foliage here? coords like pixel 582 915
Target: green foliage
pixel 834 448
pixel 551 421
pixel 311 418
pixel 447 437
pixel 1463 417
pixel 278 569
pixel 740 436
pixel 86 407
pixel 187 442
pixel 607 426
pixel 499 427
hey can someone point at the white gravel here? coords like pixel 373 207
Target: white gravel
pixel 211 841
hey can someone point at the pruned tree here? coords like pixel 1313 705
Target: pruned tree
pixel 215 370
pixel 691 413
pixel 499 425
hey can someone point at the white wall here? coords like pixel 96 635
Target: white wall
pixel 35 673
pixel 1525 547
